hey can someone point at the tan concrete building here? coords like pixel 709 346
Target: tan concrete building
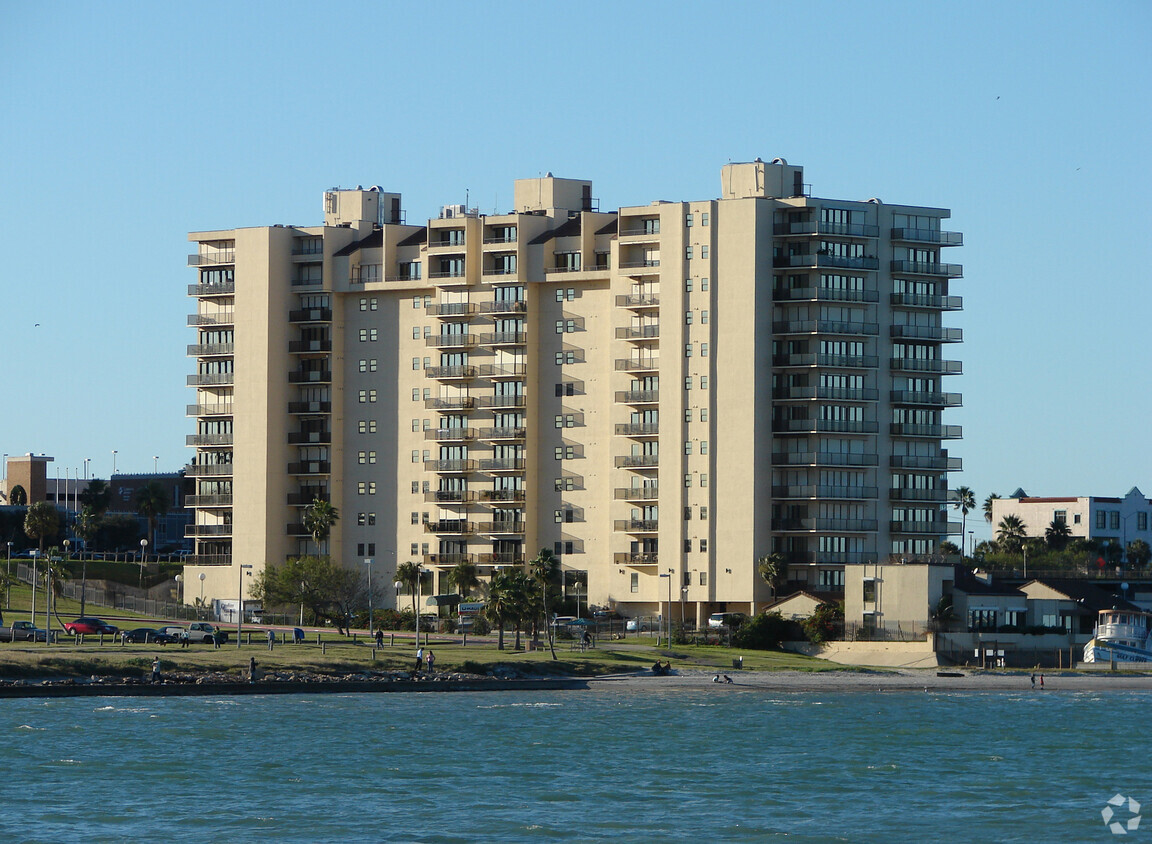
pixel 1103 519
pixel 660 394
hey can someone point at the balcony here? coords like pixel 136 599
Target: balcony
pixel 208 500
pixel 501 464
pixel 451 373
pixel 817 260
pixel 503 558
pixel 935 432
pixel 304 346
pixel 631 558
pixel 827 361
pixel 944 367
pixel 307 437
pixel 824 326
pixel 503 370
pixel 638 429
pixel 636 525
pixel 929 236
pixel 836 426
pixel 448 467
pixel 928 399
pixel 940 528
pixel 193 531
pixel 503 307
pixel 502 496
pixel 222 318
pixel 637 227
pixel 942 463
pixel 928 268
pixel 450 434
pixel 309 407
pixel 638 365
pixel 641 332
pixel 854 493
pixel 921 300
pixel 648 264
pixel 513 433
pixel 306 499
pixel 208 470
pixel 814 227
pixel 224 288
pixel 638 301
pixel 310 376
pixel 450 403
pixel 205 350
pixel 638 461
pixel 211 379
pixel 296 529
pixel 936 496
pixel 448 559
pixel 311 315
pixel 824 458
pixel 500 527
pixel 830 558
pixel 829 525
pixel 225 256
pixel 636 493
pixel 451 341
pixel 208 410
pixel 638 397
pixel 450 496
pixel 504 338
pixel 450 526
pixel 823 294
pixel 208 439
pixel 208 560
pixel 835 393
pixel 453 310
pixel 313 467
pixel 929 332
pixel 501 401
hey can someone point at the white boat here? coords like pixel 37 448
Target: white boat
pixel 1120 636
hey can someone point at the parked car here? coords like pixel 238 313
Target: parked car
pixel 202 631
pixel 90 625
pixel 637 625
pixel 22 631
pixel 730 620
pixel 149 635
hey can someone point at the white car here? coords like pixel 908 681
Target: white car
pixel 726 619
pixel 637 625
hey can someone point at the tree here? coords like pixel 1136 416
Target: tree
pixel 771 568
pixel 409 575
pixel 18 497
pixel 498 608
pixel 97 497
pixel 1057 535
pixel 965 502
pixel 152 503
pixel 1138 553
pixel 329 591
pixel 464 578
pixel 1010 533
pixel 319 517
pixel 545 570
pixel 824 623
pixel 949 549
pixel 988 507
pixel 41 522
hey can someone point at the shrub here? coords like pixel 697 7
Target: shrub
pixel 449 625
pixel 824 624
pixel 764 632
pixel 481 626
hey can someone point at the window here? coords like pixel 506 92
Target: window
pixel 703 218
pixel 688 480
pixel 703 446
pixel 703 578
pixel 427 393
pixel 703 317
pixel 688 220
pixel 703 350
pixel 562 294
pixel 687 285
pixel 687 253
pixel 703 514
pixel 703 546
pixel 415 455
pixel 566 389
pixel 1060 516
pixel 687 446
pixel 560 548
pixel 415 394
pixel 415 487
pixel 1075 518
pixel 635 582
pixel 565 357
pixel 415 363
pixel 687 382
pixel 687 414
pixel 361 518
pixel 703 479
pixel 416 301
pixel 687 317
pixel 703 382
pixel 703 283
pixel 371 396
pixel 415 332
pixel 1114 521
pixel 415 549
pixel 415 424
pixel 362 457
pixel 1101 519
pixel 360 488
pixel 687 546
pixel 363 396
pixel 704 250
pixel 1141 521
pixel 869 591
pixel 687 350
pixel 427 362
pixel 366 426
pixel 415 518
pixel 703 414
pixel 368 335
pixel 368 365
pixel 371 457
pixel 565 452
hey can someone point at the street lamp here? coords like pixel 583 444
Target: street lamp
pixel 179 590
pixel 143 551
pixel 87 460
pixel 35 561
pixel 662 614
pixel 242 569
pixel 155 460
pixel 114 453
pixel 368 562
pixel 971 543
pixel 8 581
pixel 683 597
pixel 202 577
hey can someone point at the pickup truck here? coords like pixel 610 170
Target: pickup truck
pixel 202 631
pixel 22 631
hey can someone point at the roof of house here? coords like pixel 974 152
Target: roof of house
pixel 1090 596
pixel 970 584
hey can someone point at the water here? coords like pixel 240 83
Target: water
pixel 683 765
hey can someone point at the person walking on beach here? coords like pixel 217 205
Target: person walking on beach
pixel 156 670
pixel 251 669
pixel 1041 682
pixel 1033 679
pixel 419 659
pixel 431 660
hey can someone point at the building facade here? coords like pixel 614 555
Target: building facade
pixel 1101 519
pixel 660 394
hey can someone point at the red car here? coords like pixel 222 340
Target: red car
pixel 89 626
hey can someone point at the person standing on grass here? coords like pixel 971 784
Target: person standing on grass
pixel 379 637
pixel 431 660
pixel 419 658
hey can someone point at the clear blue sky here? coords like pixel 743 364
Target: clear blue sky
pixel 125 125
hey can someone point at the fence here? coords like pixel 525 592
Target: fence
pixel 900 631
pixel 156 602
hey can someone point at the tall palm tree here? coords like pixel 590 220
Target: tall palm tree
pixel 1057 535
pixel 409 574
pixel 965 502
pixel 498 608
pixel 97 496
pixel 319 517
pixel 545 569
pixel 771 568
pixel 988 506
pixel 152 503
pixel 463 576
pixel 40 522
pixel 1011 532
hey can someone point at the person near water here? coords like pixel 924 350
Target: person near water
pixel 431 660
pixel 156 670
pixel 419 658
pixel 1033 679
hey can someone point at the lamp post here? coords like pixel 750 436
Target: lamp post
pixel 971 543
pixel 155 461
pixel 179 590
pixel 48 601
pixel 114 453
pixel 683 598
pixel 87 460
pixel 662 614
pixel 242 569
pixel 368 562
pixel 35 561
pixel 143 551
pixel 576 586
pixel 202 577
pixel 67 559
pixel 8 581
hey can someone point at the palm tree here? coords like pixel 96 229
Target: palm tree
pixel 1138 553
pixel 498 608
pixel 97 497
pixel 319 517
pixel 152 503
pixel 409 575
pixel 988 507
pixel 1057 535
pixel 1011 533
pixel 965 502
pixel 771 568
pixel 463 576
pixel 545 568
pixel 40 522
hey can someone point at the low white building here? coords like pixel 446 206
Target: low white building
pixel 1118 520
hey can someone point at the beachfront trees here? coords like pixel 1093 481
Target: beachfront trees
pixel 41 522
pixel 408 575
pixel 97 497
pixel 327 590
pixel 771 568
pixel 319 517
pixel 1011 532
pixel 152 503
pixel 511 599
pixel 988 507
pixel 1057 535
pixel 1138 553
pixel 464 578
pixel 965 502
pixel 498 609
pixel 545 570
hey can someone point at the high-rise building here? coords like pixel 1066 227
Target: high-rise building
pixel 661 394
